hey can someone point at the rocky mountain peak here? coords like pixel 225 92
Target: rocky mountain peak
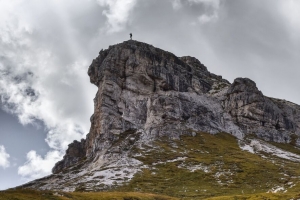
pixel 149 91
pixel 145 93
pixel 192 61
pixel 243 85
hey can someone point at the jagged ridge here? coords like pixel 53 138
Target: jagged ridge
pixel 145 93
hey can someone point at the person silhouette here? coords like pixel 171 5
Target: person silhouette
pixel 130 36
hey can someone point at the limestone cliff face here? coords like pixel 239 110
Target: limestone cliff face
pixel 146 89
pixel 148 93
pixel 271 119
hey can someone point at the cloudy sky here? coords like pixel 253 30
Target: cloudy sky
pixel 46 48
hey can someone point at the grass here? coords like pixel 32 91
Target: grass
pixel 261 196
pixel 224 172
pixel 48 195
pixel 231 171
pixel 27 194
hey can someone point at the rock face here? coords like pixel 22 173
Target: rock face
pixel 75 153
pixel 145 93
pixel 149 90
pixel 270 119
pixel 152 92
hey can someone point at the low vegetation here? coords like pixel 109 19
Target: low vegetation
pixel 209 166
pixel 260 196
pixel 201 167
pixel 48 195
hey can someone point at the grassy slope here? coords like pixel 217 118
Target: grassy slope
pixel 42 195
pixel 261 196
pixel 230 173
pixel 47 195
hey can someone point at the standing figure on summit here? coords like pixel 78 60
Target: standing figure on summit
pixel 130 36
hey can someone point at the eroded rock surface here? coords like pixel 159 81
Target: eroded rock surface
pixel 76 152
pixel 150 91
pixel 145 93
pixel 270 119
pixel 145 88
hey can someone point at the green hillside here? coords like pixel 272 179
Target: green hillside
pixel 201 167
pixel 210 166
pixel 48 195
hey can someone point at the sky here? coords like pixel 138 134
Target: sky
pixel 46 47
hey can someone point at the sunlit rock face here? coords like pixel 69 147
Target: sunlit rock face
pixel 144 94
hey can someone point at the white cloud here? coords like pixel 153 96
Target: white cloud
pixel 43 74
pixel 42 91
pixel 4 162
pixel 36 84
pixel 117 13
pixel 36 166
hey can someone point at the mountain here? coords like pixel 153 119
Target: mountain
pixel 165 124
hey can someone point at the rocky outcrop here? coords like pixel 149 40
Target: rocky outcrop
pixel 145 93
pixel 76 152
pixel 152 92
pixel 270 119
pixel 147 89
